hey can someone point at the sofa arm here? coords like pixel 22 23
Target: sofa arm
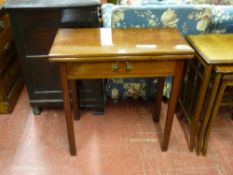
pixel 187 19
pixel 222 19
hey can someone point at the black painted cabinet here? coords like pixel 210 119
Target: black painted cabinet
pixel 34 27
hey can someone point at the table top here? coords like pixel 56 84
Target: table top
pixel 92 44
pixel 214 48
pixel 18 4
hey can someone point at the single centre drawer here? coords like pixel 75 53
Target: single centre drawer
pixel 120 69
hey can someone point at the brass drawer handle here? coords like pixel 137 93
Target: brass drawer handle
pixel 2 25
pixel 128 66
pixel 7 46
pixel 115 66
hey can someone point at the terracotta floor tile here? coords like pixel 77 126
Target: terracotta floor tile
pixel 122 141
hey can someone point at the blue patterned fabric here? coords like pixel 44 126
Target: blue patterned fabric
pixel 222 19
pixel 193 2
pixel 106 10
pixel 187 19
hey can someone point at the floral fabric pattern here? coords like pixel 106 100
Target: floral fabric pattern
pixel 188 19
pixel 169 18
pixel 130 87
pixel 211 2
pixel 226 2
pixel 106 10
pixel 131 2
pixel 185 15
pixel 194 2
pixel 140 2
pixel 203 18
pixel 222 20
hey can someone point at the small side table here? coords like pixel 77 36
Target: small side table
pixel 215 58
pixel 120 53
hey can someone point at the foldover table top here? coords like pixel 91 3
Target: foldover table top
pixel 213 48
pixel 87 44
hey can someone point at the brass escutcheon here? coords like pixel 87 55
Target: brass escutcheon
pixel 115 66
pixel 128 66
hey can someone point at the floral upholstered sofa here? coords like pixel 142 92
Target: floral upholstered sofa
pixel 188 16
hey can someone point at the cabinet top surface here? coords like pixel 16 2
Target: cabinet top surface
pixel 81 44
pixel 214 48
pixel 12 4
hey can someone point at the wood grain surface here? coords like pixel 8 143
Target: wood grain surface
pixel 138 69
pixel 225 69
pixel 214 48
pixel 85 44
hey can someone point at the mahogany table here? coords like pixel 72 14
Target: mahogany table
pixel 119 53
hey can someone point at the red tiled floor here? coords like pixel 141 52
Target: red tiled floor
pixel 124 141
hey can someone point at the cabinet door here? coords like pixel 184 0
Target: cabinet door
pixel 34 32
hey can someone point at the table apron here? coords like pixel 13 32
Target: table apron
pixel 120 69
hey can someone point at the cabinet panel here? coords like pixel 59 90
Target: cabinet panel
pixel 44 80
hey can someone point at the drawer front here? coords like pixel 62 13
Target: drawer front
pixel 10 75
pixel 4 24
pixel 120 69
